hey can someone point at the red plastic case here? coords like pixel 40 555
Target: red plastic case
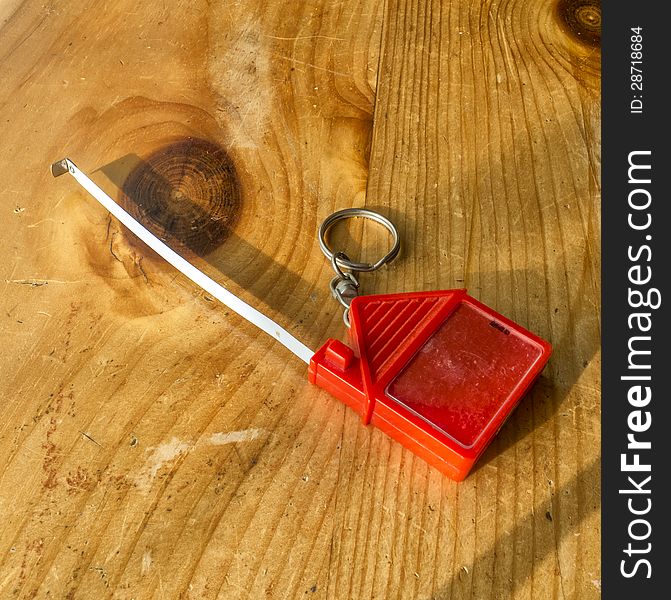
pixel 437 371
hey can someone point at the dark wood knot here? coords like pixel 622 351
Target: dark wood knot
pixel 186 193
pixel 582 19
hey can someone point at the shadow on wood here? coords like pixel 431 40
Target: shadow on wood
pixel 188 195
pixel 545 544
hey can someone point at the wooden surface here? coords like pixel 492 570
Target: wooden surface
pixel 154 445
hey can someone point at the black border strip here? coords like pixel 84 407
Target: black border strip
pixel 631 567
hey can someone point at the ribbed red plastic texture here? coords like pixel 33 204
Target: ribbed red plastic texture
pixel 438 371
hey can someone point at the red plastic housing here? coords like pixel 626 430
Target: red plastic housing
pixel 437 371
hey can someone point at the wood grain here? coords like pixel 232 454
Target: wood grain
pixel 485 149
pixel 154 445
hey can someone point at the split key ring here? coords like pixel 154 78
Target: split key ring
pixel 342 261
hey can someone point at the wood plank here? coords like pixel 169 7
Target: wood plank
pixel 152 443
pixel 486 152
pixel 120 473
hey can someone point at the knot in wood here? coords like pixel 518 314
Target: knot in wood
pixel 186 193
pixel 582 19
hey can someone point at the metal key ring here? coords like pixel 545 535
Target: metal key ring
pixel 349 213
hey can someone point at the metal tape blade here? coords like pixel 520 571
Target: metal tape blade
pixel 182 265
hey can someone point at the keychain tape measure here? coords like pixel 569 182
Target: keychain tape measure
pixel 437 371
